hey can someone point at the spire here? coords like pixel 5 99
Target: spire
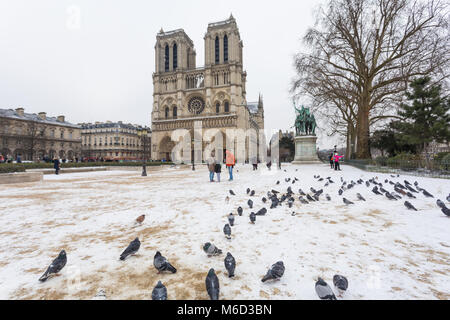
pixel 161 31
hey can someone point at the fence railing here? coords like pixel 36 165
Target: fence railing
pixel 420 167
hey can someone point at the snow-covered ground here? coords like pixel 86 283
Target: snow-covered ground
pixel 385 251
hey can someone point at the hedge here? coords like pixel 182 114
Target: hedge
pixel 21 167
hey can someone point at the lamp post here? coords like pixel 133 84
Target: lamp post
pixel 143 135
pixel 193 155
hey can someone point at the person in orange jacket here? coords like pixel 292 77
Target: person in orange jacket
pixel 230 162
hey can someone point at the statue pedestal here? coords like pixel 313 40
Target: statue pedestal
pixel 306 150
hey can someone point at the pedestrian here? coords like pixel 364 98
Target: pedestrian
pixel 211 166
pixel 336 161
pixel 218 170
pixel 1 158
pixel 255 164
pixel 230 163
pixel 19 159
pixel 56 165
pixel 331 161
pixel 269 165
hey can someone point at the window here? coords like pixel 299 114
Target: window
pixel 166 113
pixel 175 56
pixel 62 134
pixel 225 48
pixel 217 50
pixel 217 107
pixel 166 58
pixel 227 107
pixel 175 112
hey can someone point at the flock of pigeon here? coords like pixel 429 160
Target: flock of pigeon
pixel 277 199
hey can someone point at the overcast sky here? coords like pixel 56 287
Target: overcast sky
pixel 93 60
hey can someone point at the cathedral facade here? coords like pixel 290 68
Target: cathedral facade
pixel 214 95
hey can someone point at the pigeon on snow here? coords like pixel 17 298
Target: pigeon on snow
pixel 230 264
pixel 340 283
pixel 409 206
pixel 132 248
pixel 55 267
pixel 211 250
pixel 159 292
pixel 212 285
pixel 275 272
pixel 231 219
pixel 324 291
pixel 161 264
pixel 227 231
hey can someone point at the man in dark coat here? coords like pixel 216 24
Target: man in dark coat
pixel 56 165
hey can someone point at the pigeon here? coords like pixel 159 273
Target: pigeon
pixel 399 185
pixel 400 191
pixel 328 197
pixel 316 197
pixel 347 202
pixel 232 193
pixel 264 200
pixel 211 250
pixel 250 203
pixel 261 212
pixel 240 210
pixel 411 189
pixel 252 217
pixel 101 295
pixel 367 184
pixel 212 285
pixel 407 182
pixel 309 198
pixel 427 194
pixel 319 192
pixel 375 190
pixel 410 206
pixel 313 190
pixel 231 219
pixel 230 264
pixel 440 204
pixel 340 283
pixel 448 198
pixel 278 182
pixel 341 192
pixel 324 291
pixel 159 292
pixel 383 190
pixel 360 197
pixel 248 190
pixel 300 191
pixel 55 267
pixel 410 195
pixel 390 196
pixel 275 272
pixel 132 248
pixel 252 193
pixel 227 199
pixel 275 192
pixel 140 219
pixel 446 211
pixel 161 264
pixel 227 231
pixel 303 200
pixel 291 202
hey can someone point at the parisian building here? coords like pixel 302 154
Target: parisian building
pixel 37 137
pixel 115 141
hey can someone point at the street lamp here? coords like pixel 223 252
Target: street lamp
pixel 143 135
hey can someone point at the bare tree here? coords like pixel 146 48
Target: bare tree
pixel 363 54
pixel 34 136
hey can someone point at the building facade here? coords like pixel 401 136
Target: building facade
pixel 214 94
pixel 115 141
pixel 36 137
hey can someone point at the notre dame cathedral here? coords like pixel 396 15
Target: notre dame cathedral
pixel 214 94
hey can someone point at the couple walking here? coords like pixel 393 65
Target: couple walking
pixel 215 167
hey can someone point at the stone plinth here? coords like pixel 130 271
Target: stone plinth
pixel 305 150
pixel 20 177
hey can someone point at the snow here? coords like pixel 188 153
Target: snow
pixel 385 251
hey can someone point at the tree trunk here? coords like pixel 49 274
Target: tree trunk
pixel 363 151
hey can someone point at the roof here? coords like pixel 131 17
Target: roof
pixel 230 20
pixel 12 114
pixel 253 107
pixel 112 125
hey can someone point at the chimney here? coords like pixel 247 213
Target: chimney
pixel 20 111
pixel 42 115
pixel 60 119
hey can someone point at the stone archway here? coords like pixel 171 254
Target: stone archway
pixel 62 154
pixel 165 148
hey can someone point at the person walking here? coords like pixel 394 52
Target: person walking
pixel 255 163
pixel 218 170
pixel 230 163
pixel 211 167
pixel 331 161
pixel 56 165
pixel 337 157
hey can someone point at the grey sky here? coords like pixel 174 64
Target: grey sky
pixel 100 68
